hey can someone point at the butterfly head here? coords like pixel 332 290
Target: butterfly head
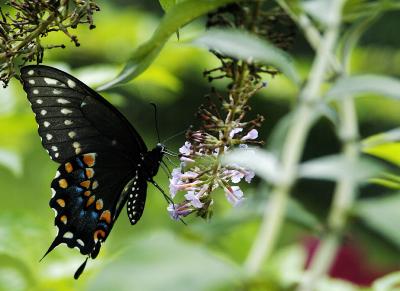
pixel 153 159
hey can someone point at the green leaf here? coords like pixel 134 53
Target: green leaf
pixel 245 46
pixel 320 10
pixel 358 85
pixel 381 138
pixel 388 152
pixel 353 35
pixel 262 162
pixel 334 167
pixel 161 261
pixel 382 215
pixel 179 15
pixel 167 4
pixel 389 282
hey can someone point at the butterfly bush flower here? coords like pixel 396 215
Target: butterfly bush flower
pixel 200 172
pixel 223 124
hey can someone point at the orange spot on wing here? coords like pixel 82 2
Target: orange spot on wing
pixel 68 167
pixel 89 159
pixel 99 204
pixel 63 183
pixel 99 234
pixel 106 216
pixel 85 184
pixel 90 200
pixel 61 202
pixel 89 173
pixel 87 193
pixel 63 219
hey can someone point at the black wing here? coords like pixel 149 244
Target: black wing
pixel 74 119
pixel 85 195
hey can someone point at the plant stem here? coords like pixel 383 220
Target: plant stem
pixel 303 118
pixel 344 197
pixel 310 31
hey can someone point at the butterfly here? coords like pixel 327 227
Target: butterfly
pixel 104 162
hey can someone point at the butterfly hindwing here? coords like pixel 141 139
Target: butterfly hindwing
pixel 85 199
pixel 74 119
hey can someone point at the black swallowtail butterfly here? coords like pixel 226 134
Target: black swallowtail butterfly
pixel 104 162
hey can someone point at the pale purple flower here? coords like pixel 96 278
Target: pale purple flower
pixel 194 199
pixel 252 134
pixel 236 176
pixel 174 181
pixel 234 195
pixel 178 211
pixel 188 175
pixel 186 148
pixel 249 175
pixel 235 131
pixel 186 160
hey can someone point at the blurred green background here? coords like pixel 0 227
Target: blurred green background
pixel 159 253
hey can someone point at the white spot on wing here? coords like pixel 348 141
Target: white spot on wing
pixel 53 192
pixel 66 111
pixel 46 124
pixel 57 155
pixel 50 81
pixel 62 101
pixel 71 84
pixel 32 82
pixel 54 148
pixel 72 134
pixel 43 112
pixel 76 145
pixel 68 122
pixel 49 136
pixel 31 72
pixel 39 101
pixel 68 235
pixel 57 174
pixel 36 91
pixel 79 241
pixel 56 92
pixel 78 151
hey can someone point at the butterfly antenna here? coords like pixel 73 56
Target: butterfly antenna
pixel 173 136
pixel 156 120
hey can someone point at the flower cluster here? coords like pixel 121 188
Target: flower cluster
pixel 200 171
pixel 223 126
pixel 26 22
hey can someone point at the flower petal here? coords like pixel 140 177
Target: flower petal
pixel 252 134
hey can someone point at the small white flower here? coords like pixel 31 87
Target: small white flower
pixel 252 134
pixel 235 131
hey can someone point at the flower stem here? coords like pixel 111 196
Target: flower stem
pixel 40 29
pixel 302 120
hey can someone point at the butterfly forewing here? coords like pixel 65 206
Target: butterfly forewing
pixel 74 119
